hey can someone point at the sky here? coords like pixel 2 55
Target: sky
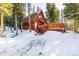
pixel 43 5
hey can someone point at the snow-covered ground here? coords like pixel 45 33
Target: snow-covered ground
pixel 61 44
pixel 51 43
pixel 24 44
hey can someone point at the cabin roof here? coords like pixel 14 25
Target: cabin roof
pixel 32 16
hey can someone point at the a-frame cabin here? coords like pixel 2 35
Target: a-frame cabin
pixel 40 24
pixel 37 20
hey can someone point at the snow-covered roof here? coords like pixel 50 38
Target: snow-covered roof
pixel 32 16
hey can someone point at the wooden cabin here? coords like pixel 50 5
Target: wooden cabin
pixel 40 24
pixel 1 21
pixel 37 20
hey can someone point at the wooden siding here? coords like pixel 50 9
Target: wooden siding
pixel 42 24
pixel 56 27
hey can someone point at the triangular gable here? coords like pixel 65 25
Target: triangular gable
pixel 36 16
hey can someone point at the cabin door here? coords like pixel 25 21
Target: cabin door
pixel 35 24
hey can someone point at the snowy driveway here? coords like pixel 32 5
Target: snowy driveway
pixel 50 43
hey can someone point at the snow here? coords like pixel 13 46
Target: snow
pixel 51 43
pixel 24 44
pixel 61 44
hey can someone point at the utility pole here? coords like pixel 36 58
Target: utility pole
pixel 29 6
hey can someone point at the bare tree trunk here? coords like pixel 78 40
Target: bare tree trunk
pixel 5 25
pixel 29 16
pixel 15 18
pixel 1 25
pixel 21 25
pixel 75 25
pixel 16 24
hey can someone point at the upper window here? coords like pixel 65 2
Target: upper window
pixel 40 17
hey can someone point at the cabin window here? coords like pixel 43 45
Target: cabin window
pixel 40 17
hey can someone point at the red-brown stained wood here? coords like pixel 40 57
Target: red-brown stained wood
pixel 39 19
pixel 42 24
pixel 56 27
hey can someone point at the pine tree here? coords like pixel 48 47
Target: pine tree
pixel 71 12
pixel 52 12
pixel 33 8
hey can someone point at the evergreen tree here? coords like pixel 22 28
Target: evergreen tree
pixel 38 9
pixel 33 8
pixel 9 17
pixel 71 11
pixel 52 12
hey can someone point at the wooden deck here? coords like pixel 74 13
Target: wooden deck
pixel 56 27
pixel 51 27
